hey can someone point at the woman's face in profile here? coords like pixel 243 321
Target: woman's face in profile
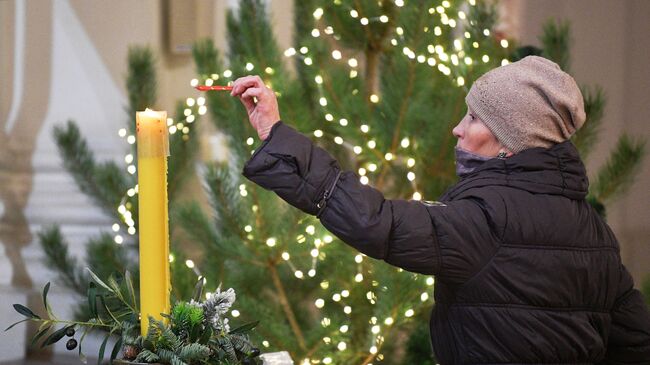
pixel 474 136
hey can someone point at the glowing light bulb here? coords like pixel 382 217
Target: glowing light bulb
pixel 310 229
pixel 410 176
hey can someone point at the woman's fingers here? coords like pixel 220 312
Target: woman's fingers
pixel 248 96
pixel 241 84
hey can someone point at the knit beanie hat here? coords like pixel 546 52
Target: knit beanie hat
pixel 528 103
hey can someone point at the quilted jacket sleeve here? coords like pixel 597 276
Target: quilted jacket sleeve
pixel 629 337
pixel 401 232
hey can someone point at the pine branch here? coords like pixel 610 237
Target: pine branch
pixel 106 258
pixel 57 257
pixel 104 183
pixel 180 164
pixel 556 43
pixel 616 176
pixel 141 82
pixel 587 136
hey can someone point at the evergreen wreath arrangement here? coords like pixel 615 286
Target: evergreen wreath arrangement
pixel 195 332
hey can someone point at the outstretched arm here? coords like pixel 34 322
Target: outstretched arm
pixel 448 240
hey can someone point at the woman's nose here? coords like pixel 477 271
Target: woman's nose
pixel 457 131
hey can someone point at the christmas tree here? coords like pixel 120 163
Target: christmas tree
pixel 379 85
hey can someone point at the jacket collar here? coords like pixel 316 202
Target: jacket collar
pixel 557 170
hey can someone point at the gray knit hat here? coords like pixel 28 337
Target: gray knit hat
pixel 528 103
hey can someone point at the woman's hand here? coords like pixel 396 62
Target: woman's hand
pixel 260 103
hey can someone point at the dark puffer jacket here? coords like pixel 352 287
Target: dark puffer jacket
pixel 527 272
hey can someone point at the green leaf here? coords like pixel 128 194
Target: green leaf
pixel 81 340
pixel 99 281
pixel 129 286
pixel 245 328
pixel 101 299
pixel 40 334
pixel 45 290
pixel 116 288
pixel 21 321
pixel 198 288
pixel 116 349
pixel 92 299
pixel 25 311
pixel 56 336
pixel 102 348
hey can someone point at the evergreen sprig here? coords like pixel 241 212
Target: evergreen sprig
pixel 557 42
pixel 587 136
pixel 618 173
pixel 57 257
pixel 105 183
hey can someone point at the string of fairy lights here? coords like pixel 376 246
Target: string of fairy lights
pixel 436 57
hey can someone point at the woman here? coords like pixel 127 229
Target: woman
pixel 527 272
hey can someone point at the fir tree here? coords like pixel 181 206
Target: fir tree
pixel 379 85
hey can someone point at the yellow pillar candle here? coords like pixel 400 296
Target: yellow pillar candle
pixel 153 149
